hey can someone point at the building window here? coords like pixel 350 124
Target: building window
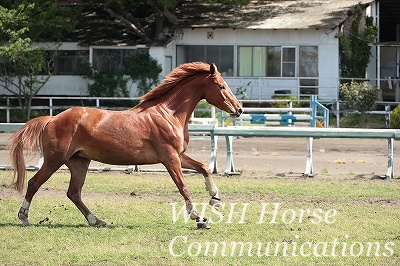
pixel 67 62
pixel 288 62
pixel 277 61
pixel 308 69
pixel 308 61
pixel 106 59
pixel 64 62
pixel 273 61
pixel 259 61
pixel 252 61
pixel 222 55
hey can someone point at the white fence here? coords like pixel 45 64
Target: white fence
pixel 60 103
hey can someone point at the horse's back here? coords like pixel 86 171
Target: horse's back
pixel 114 137
pixel 75 117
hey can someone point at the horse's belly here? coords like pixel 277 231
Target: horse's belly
pixel 134 141
pixel 122 155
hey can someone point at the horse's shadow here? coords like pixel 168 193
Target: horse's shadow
pixel 60 225
pixel 45 225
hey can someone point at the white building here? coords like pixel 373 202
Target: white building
pixel 264 49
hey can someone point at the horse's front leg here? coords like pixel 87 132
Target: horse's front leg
pixel 212 189
pixel 174 168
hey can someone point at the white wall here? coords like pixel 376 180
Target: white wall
pixel 328 67
pixel 328 55
pixel 157 53
pixel 65 85
pixel 327 48
pixel 236 37
pixel 73 85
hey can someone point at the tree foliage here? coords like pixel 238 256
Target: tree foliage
pixel 20 62
pixel 44 20
pixel 395 118
pixel 23 66
pixel 109 83
pixel 141 68
pixel 144 70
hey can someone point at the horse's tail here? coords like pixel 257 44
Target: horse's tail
pixel 28 138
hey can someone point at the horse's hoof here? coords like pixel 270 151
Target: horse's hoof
pixel 94 221
pixel 203 224
pixel 101 223
pixel 24 219
pixel 215 202
pixel 25 223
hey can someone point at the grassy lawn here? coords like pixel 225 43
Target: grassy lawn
pixel 264 221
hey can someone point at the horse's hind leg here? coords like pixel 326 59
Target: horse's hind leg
pixel 78 167
pixel 34 184
pixel 212 189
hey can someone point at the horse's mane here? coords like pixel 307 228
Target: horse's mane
pixel 181 72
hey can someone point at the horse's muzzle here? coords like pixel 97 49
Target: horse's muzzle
pixel 237 113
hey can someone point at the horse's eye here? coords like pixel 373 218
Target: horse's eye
pixel 221 87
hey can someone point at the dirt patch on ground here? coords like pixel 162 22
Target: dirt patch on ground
pixel 279 156
pixel 287 156
pixel 275 157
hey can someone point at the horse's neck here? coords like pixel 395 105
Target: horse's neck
pixel 182 102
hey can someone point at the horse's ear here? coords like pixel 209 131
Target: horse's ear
pixel 213 68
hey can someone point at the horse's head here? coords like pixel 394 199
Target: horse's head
pixel 220 95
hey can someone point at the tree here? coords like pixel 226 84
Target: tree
pixel 46 21
pixel 106 83
pixel 145 70
pixel 140 67
pixel 151 21
pixel 354 47
pixel 21 63
pixel 24 68
pixel 355 52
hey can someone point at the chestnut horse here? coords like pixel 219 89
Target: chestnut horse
pixel 154 131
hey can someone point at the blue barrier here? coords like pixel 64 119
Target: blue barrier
pixel 261 119
pixel 315 107
pixel 288 116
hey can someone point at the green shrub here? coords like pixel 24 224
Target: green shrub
pixel 395 118
pixel 203 113
pixel 359 96
pixel 368 121
pixel 105 83
pixel 293 99
pixel 144 70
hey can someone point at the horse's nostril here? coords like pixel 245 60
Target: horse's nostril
pixel 240 111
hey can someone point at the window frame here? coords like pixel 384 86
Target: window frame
pixel 77 58
pixel 123 56
pixel 185 56
pixel 313 57
pixel 295 62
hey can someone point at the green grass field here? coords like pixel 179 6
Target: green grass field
pixel 325 220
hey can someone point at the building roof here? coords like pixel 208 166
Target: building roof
pixel 96 27
pixel 273 14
